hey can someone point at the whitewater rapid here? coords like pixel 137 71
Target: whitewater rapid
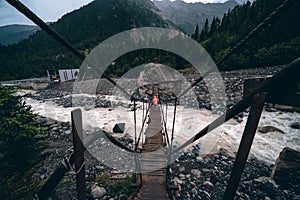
pixel 266 146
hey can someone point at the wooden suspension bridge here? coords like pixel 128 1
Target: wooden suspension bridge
pixel 282 88
pixel 153 161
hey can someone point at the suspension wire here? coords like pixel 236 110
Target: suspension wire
pixel 290 73
pixel 166 111
pixel 141 131
pixel 143 118
pixel 173 126
pixel 38 21
pixel 242 43
pixel 134 111
pixel 165 125
pixel 143 111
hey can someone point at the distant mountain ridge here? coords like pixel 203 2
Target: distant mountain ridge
pixel 243 1
pixel 84 28
pixel 188 15
pixel 12 34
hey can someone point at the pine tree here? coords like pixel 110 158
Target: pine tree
pixel 22 143
pixel 195 36
pixel 205 31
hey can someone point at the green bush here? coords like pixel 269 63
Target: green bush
pixel 123 184
pixel 22 141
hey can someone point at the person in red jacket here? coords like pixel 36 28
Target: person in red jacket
pixel 155 102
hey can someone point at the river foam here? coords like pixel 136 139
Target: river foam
pixel 266 146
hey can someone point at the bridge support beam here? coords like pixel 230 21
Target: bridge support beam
pixel 77 130
pixel 245 145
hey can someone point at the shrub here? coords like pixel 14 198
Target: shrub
pixel 22 141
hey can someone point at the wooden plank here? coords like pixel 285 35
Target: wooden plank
pixel 153 157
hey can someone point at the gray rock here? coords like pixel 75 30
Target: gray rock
pixel 98 192
pixel 295 125
pixel 49 122
pixel 267 129
pixel 208 183
pixel 181 169
pixel 177 180
pixel 194 191
pixel 199 159
pixel 182 176
pixel 119 128
pixel 286 171
pixel 196 172
pixel 42 177
pixel 224 163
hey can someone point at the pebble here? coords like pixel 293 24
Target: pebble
pixel 199 159
pixel 196 172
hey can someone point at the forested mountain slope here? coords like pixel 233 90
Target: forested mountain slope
pixel 278 44
pixel 84 28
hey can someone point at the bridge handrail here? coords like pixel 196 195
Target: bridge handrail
pixel 143 126
pixel 164 125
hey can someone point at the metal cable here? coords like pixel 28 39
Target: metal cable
pixel 138 141
pixel 173 126
pixel 134 107
pixel 165 126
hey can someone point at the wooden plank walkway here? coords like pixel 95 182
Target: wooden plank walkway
pixel 153 161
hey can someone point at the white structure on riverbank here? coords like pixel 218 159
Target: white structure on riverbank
pixel 62 75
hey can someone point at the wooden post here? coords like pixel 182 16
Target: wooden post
pixel 77 130
pixel 245 145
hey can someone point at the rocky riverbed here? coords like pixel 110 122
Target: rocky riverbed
pixel 197 177
pixel 207 178
pixel 199 97
pixel 60 142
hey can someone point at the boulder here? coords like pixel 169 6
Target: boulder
pixel 266 129
pixel 119 128
pixel 295 125
pixel 98 192
pixel 286 171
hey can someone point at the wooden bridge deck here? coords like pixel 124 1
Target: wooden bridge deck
pixel 153 161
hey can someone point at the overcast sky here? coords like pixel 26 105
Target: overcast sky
pixel 49 10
